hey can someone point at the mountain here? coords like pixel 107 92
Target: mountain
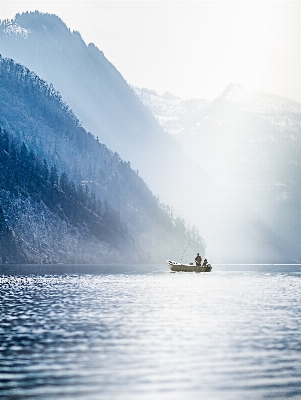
pixel 172 113
pixel 65 197
pixel 106 106
pixel 250 142
pixel 93 89
pixel 44 220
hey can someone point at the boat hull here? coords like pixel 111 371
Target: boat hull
pixel 178 267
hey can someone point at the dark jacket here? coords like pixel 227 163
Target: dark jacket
pixel 198 260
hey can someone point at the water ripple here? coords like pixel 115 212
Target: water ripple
pixel 229 335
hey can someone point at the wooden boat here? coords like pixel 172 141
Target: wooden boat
pixel 177 267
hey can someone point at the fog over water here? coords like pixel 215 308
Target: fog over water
pixel 142 332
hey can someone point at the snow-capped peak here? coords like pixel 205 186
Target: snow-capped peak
pixel 258 102
pixel 232 90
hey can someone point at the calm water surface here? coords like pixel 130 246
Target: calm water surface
pixel 140 332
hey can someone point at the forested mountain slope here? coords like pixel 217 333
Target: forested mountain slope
pixel 65 196
pixel 95 91
pixel 44 218
pixel 107 107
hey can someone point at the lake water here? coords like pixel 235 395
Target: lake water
pixel 141 332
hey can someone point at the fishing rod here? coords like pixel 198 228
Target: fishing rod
pixel 184 251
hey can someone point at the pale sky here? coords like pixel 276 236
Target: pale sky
pixel 190 49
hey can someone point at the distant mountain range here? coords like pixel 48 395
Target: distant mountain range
pixel 250 142
pixel 65 197
pixel 173 114
pixel 101 102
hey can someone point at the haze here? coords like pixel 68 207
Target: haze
pixel 246 141
pixel 191 49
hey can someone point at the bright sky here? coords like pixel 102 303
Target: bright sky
pixel 189 48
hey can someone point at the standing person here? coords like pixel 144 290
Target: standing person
pixel 198 259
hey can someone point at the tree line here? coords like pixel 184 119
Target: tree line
pixel 22 171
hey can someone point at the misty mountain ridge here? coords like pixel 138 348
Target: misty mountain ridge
pixel 176 115
pixel 280 111
pixel 101 99
pixel 61 57
pixel 106 106
pixel 171 112
pixel 65 197
pixel 248 141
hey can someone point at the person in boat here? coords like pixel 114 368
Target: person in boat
pixel 198 259
pixel 205 263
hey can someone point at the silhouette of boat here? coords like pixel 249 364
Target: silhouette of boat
pixel 177 267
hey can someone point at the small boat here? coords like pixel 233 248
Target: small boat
pixel 177 267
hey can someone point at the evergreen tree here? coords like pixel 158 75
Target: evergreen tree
pixel 64 182
pixel 5 140
pixel 23 154
pixel 53 176
pixel 45 170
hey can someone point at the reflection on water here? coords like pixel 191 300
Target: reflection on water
pixel 154 335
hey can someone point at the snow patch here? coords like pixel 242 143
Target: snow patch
pixel 13 28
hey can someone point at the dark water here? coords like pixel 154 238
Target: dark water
pixel 140 332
